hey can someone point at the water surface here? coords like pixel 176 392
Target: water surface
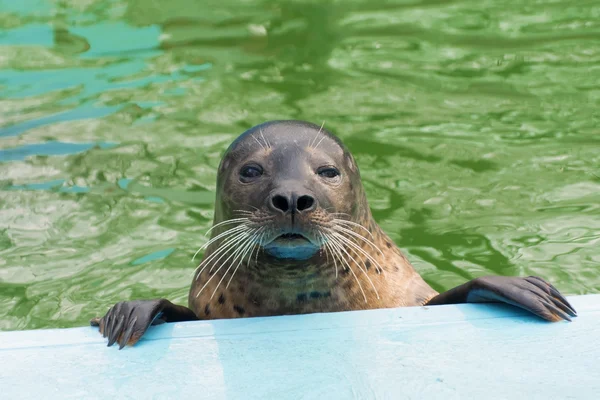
pixel 475 125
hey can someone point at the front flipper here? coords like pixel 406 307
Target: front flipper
pixel 127 321
pixel 532 294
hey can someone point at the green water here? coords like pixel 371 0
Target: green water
pixel 475 125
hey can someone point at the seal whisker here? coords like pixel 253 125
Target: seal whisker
pixel 324 136
pixel 320 142
pixel 234 242
pixel 257 245
pixel 243 212
pixel 340 248
pixel 222 249
pixel 211 260
pixel 254 244
pixel 336 250
pixel 358 236
pixel 333 256
pixel 363 270
pixel 227 222
pixel 314 140
pixel 334 240
pixel 260 244
pixel 241 253
pixel 239 249
pixel 362 251
pixel 343 221
pixel 228 232
pixel 342 239
pixel 339 213
pixel 266 141
pixel 328 246
pixel 196 253
pixel 341 231
pixel 322 244
pixel 260 144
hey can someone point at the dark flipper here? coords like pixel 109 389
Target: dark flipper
pixel 532 294
pixel 126 321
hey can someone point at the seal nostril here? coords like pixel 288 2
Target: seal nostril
pixel 280 203
pixel 305 202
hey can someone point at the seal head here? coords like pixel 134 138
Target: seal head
pixel 292 178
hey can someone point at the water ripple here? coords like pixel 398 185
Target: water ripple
pixel 475 126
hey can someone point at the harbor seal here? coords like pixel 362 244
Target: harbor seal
pixel 293 233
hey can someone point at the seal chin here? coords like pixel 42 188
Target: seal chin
pixel 292 246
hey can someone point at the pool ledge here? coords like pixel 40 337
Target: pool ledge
pixel 462 351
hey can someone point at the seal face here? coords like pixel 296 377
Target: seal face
pixel 293 231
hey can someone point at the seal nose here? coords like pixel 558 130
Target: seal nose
pixel 305 203
pixel 292 202
pixel 280 203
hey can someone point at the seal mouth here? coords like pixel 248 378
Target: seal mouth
pixel 291 237
pixel 291 245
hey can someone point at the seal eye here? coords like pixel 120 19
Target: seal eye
pixel 329 173
pixel 250 172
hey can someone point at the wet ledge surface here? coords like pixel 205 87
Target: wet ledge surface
pixel 463 351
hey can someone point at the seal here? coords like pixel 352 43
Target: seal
pixel 293 233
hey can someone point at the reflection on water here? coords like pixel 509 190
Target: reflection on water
pixel 475 126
